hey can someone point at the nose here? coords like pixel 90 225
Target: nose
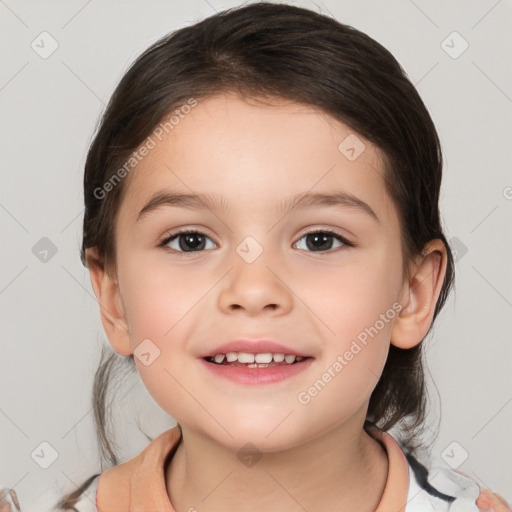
pixel 254 288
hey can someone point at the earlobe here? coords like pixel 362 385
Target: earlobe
pixel 111 306
pixel 420 297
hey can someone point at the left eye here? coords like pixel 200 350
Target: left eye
pixel 321 241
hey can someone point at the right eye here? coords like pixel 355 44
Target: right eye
pixel 183 242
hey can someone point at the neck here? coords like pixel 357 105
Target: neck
pixel 343 469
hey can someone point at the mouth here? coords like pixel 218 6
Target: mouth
pixel 251 362
pixel 259 360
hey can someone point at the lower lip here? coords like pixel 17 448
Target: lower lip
pixel 257 376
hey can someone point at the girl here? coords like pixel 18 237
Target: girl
pixel 263 236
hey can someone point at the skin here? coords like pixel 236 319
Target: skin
pixel 255 155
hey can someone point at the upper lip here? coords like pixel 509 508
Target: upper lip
pixel 253 347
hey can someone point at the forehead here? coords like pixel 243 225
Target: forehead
pixel 245 150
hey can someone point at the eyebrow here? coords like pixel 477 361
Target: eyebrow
pixel 212 202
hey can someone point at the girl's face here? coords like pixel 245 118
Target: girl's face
pixel 257 270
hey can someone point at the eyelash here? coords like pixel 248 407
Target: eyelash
pixel 187 254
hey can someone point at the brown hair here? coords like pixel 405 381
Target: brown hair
pixel 277 50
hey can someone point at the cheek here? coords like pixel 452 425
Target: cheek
pixel 355 307
pixel 356 346
pixel 158 299
pixel 347 298
pixel 159 307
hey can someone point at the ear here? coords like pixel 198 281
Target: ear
pixel 111 306
pixel 420 296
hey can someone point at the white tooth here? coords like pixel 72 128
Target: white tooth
pixel 289 358
pixel 278 358
pixel 263 358
pixel 219 358
pixel 245 358
pixel 231 356
pixel 299 358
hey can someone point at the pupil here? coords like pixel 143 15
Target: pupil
pixel 189 244
pixel 323 238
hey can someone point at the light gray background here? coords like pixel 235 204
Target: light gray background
pixel 51 332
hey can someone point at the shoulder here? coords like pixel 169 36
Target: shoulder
pixel 442 489
pixel 115 488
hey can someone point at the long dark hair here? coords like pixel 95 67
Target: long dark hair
pixel 277 50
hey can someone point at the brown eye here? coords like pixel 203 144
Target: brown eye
pixel 322 241
pixel 186 241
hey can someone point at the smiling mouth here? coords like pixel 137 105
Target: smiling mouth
pixel 246 360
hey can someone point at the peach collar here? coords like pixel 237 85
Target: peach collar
pixel 394 498
pixel 138 485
